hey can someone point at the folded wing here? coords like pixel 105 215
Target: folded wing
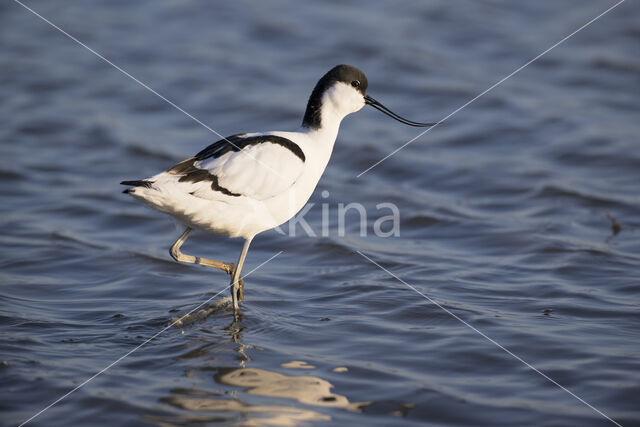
pixel 252 165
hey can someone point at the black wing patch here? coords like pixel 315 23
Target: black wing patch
pixel 137 183
pixel 238 142
pixel 190 173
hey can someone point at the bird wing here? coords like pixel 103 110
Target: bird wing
pixel 258 166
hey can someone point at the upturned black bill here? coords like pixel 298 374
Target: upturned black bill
pixel 378 106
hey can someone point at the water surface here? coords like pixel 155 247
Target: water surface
pixel 503 217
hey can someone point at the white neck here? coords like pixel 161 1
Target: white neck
pixel 328 131
pixel 336 103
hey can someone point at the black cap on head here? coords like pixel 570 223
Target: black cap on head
pixel 350 75
pixel 340 73
pixel 346 74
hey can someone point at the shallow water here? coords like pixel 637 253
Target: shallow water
pixel 503 217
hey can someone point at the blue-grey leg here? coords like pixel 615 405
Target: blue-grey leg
pixel 229 267
pixel 237 284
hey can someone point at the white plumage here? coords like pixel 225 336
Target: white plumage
pixel 248 183
pixel 266 178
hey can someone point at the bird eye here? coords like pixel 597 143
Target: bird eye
pixel 355 83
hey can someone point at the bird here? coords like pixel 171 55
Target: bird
pixel 248 183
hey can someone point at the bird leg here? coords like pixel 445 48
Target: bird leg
pixel 237 284
pixel 228 267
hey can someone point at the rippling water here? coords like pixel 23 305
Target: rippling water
pixel 504 217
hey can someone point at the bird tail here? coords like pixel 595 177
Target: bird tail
pixel 137 183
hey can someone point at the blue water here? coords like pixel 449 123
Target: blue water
pixel 506 217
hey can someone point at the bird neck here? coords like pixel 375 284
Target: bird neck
pixel 322 118
pixel 328 129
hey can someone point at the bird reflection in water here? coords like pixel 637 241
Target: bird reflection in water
pixel 220 402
